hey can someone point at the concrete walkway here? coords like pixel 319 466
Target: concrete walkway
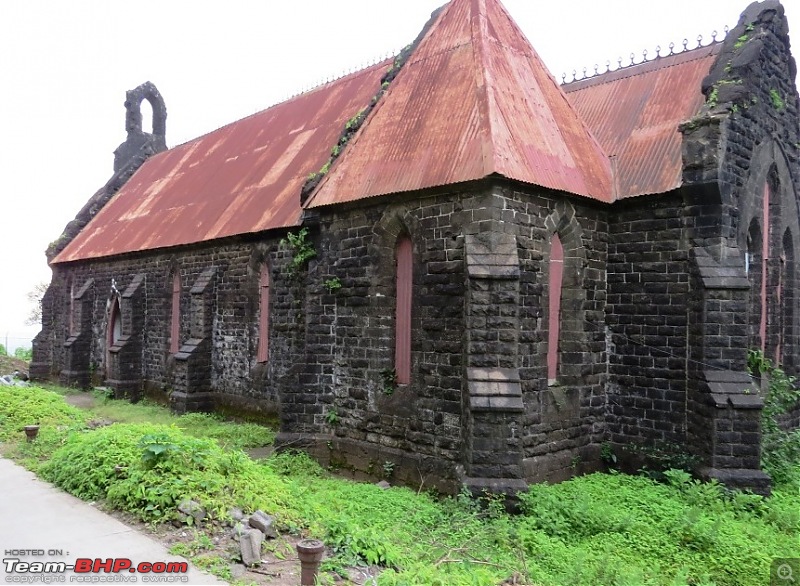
pixel 58 527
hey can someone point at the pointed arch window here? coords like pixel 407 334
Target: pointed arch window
pixel 556 281
pixel 175 324
pixel 114 323
pixel 263 318
pixel 404 285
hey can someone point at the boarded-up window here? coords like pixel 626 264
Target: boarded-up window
pixel 404 279
pixel 175 329
pixel 554 313
pixel 263 319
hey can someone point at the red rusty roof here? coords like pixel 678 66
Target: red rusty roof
pixel 242 178
pixel 473 100
pixel 635 113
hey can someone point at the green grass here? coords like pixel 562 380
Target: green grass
pixel 594 530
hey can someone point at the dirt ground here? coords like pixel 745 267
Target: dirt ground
pixel 9 365
pixel 280 565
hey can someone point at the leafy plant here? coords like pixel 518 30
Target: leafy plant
pixel 607 454
pixel 780 449
pixel 332 285
pixel 332 416
pixel 777 100
pixel 302 249
pixel 389 381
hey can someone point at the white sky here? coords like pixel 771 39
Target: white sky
pixel 66 66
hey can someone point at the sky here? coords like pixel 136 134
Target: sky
pixel 67 65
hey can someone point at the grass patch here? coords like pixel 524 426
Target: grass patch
pixel 597 529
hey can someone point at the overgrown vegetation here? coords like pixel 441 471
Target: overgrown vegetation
pixel 597 529
pixel 780 448
pixel 302 249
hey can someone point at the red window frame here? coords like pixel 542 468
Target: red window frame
pixel 404 284
pixel 556 282
pixel 175 325
pixel 263 319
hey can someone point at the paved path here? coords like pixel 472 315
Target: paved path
pixel 34 515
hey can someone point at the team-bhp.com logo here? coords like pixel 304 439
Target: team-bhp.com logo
pixel 114 570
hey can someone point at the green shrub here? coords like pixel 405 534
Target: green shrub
pixel 149 469
pixel 25 354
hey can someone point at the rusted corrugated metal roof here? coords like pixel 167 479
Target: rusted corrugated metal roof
pixel 473 100
pixel 635 113
pixel 243 178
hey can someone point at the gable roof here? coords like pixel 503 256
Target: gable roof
pixel 242 178
pixel 473 100
pixel 635 113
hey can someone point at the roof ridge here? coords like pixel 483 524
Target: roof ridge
pixel 659 62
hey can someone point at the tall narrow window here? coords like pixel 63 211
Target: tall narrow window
pixel 554 315
pixel 753 266
pixel 263 319
pixel 765 256
pixel 175 329
pixel 402 349
pixel 114 324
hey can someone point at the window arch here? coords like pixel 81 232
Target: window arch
pixel 555 286
pixel 114 323
pixel 404 288
pixel 264 314
pixel 175 324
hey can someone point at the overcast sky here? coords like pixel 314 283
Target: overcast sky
pixel 66 66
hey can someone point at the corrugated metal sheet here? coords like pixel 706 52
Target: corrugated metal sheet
pixel 634 113
pixel 473 100
pixel 243 178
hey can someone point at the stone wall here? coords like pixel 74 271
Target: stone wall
pixel 648 293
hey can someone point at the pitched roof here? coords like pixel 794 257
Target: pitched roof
pixel 473 100
pixel 242 178
pixel 635 113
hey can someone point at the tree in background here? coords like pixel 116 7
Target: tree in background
pixel 35 297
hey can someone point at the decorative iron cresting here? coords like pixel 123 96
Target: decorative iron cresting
pixel 621 62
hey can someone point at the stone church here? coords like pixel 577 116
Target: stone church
pixel 450 266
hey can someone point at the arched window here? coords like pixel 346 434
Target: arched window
pixel 114 323
pixel 754 265
pixel 556 280
pixel 263 319
pixel 765 256
pixel 175 326
pixel 785 301
pixel 404 286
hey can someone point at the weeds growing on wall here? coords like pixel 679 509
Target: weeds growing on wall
pixel 780 449
pixel 597 529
